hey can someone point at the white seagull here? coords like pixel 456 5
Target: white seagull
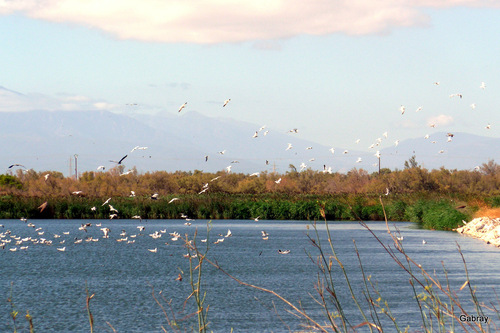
pixel 182 106
pixel 226 102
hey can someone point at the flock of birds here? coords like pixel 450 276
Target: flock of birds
pixel 262 132
pixel 22 243
pixel 36 236
pixel 375 144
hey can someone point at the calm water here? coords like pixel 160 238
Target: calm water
pixel 51 284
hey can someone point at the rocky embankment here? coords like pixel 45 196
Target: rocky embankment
pixel 485 228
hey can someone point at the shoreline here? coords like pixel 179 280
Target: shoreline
pixel 484 228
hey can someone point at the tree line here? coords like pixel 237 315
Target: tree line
pixel 413 179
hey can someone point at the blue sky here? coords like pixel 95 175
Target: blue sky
pixel 338 71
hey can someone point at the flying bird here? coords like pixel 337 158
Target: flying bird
pixel 120 161
pixel 483 85
pixel 182 106
pixel 19 165
pixel 227 101
pixel 289 146
pixel 42 206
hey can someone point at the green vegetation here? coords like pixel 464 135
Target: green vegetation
pixel 439 199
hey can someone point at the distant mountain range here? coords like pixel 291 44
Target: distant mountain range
pixel 48 140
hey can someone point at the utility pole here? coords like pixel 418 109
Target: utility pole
pixel 379 165
pixel 76 166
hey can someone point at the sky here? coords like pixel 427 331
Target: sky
pixel 338 71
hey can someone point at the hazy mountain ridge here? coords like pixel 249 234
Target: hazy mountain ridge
pixel 46 140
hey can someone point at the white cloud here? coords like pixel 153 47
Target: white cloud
pixel 12 101
pixel 219 21
pixel 441 120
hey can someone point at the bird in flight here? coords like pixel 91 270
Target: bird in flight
pixel 19 165
pixel 226 102
pixel 182 106
pixel 42 206
pixel 483 85
pixel 120 161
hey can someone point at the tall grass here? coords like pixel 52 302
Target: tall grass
pixel 431 213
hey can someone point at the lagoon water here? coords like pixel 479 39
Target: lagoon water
pixel 51 284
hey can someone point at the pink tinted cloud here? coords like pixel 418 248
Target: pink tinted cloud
pixel 221 21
